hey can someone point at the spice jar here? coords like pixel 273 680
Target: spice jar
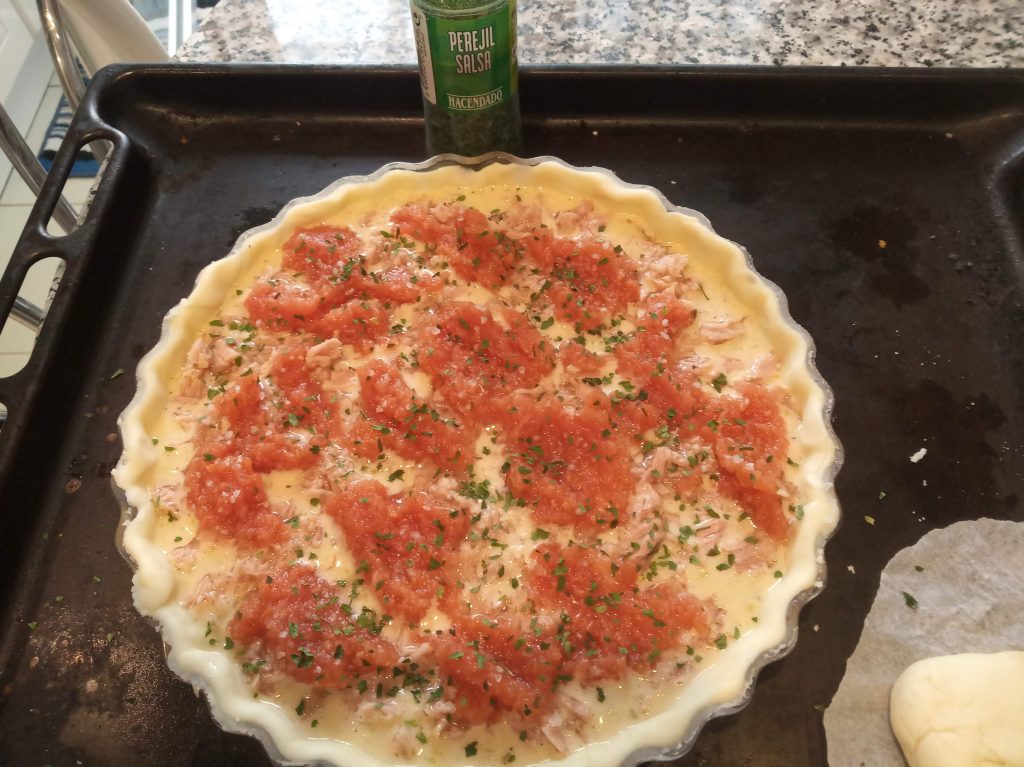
pixel 469 74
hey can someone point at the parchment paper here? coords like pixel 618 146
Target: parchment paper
pixel 969 597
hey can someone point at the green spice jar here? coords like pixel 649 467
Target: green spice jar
pixel 469 73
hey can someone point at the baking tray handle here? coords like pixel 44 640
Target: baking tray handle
pixel 36 244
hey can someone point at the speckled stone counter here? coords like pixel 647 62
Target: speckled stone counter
pixel 975 33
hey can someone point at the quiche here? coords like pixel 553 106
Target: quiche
pixel 477 462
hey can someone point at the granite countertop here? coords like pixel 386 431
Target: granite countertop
pixel 977 33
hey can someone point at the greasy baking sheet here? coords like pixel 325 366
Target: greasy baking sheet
pixel 888 205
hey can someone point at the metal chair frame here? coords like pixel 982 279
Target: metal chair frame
pixel 71 79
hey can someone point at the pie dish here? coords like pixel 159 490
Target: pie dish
pixel 482 460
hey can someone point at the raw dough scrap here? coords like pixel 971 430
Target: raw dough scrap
pixel 970 598
pixel 961 710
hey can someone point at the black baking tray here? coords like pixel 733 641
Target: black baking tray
pixel 888 205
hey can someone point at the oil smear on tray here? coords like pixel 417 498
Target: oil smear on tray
pixel 483 473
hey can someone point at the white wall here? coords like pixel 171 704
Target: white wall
pixel 25 67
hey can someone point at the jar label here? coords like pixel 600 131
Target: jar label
pixel 467 65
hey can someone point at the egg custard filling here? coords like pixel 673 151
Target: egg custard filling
pixel 466 469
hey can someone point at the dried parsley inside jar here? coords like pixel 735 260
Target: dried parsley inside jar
pixel 469 74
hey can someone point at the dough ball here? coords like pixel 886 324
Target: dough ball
pixel 961 711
